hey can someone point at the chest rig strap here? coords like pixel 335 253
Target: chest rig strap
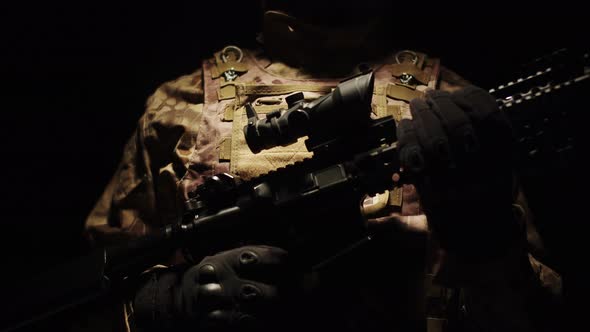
pixel 412 73
pixel 231 90
pixel 228 64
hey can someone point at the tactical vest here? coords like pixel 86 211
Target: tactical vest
pixel 234 77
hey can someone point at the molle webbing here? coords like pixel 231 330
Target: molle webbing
pixel 230 90
pixel 409 79
pixel 407 76
pixel 231 114
pixel 222 145
pixel 400 92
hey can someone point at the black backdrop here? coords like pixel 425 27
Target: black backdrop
pixel 75 79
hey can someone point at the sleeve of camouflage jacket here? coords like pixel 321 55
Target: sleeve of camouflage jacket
pixel 142 193
pixel 516 293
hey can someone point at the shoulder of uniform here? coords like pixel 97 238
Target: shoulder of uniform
pixel 175 105
pixel 184 89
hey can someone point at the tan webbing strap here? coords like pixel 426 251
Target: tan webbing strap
pixel 381 108
pixel 399 69
pixel 228 112
pixel 395 111
pixel 395 91
pixel 225 149
pixel 402 92
pixel 264 109
pixel 230 89
pixel 221 67
pixel 279 89
pixel 226 91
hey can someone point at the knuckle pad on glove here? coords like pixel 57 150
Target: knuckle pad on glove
pixel 260 263
pixel 250 293
pixel 210 295
pixel 248 257
pixel 206 274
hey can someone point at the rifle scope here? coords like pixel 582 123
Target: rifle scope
pixel 343 111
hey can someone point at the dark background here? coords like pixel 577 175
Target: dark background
pixel 75 78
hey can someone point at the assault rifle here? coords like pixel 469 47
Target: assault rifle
pixel 547 106
pixel 311 208
pixel 301 206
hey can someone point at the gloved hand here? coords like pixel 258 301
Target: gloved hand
pixel 458 149
pixel 233 290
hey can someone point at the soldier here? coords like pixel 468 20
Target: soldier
pixel 466 268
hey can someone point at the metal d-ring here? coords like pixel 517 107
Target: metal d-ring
pixel 231 74
pixel 227 49
pixel 403 52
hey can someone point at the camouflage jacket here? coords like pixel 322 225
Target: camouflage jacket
pixel 187 133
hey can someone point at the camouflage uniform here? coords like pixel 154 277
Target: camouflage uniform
pixel 192 129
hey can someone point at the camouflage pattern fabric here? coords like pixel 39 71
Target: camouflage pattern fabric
pixel 191 129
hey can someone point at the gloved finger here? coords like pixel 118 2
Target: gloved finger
pixel 431 134
pixel 206 273
pixel 454 120
pixel 250 294
pixel 409 150
pixel 211 296
pixel 258 299
pixel 201 289
pixel 254 295
pixel 262 263
pixel 477 103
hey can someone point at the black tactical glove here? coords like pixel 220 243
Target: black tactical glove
pixel 232 290
pixel 458 150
